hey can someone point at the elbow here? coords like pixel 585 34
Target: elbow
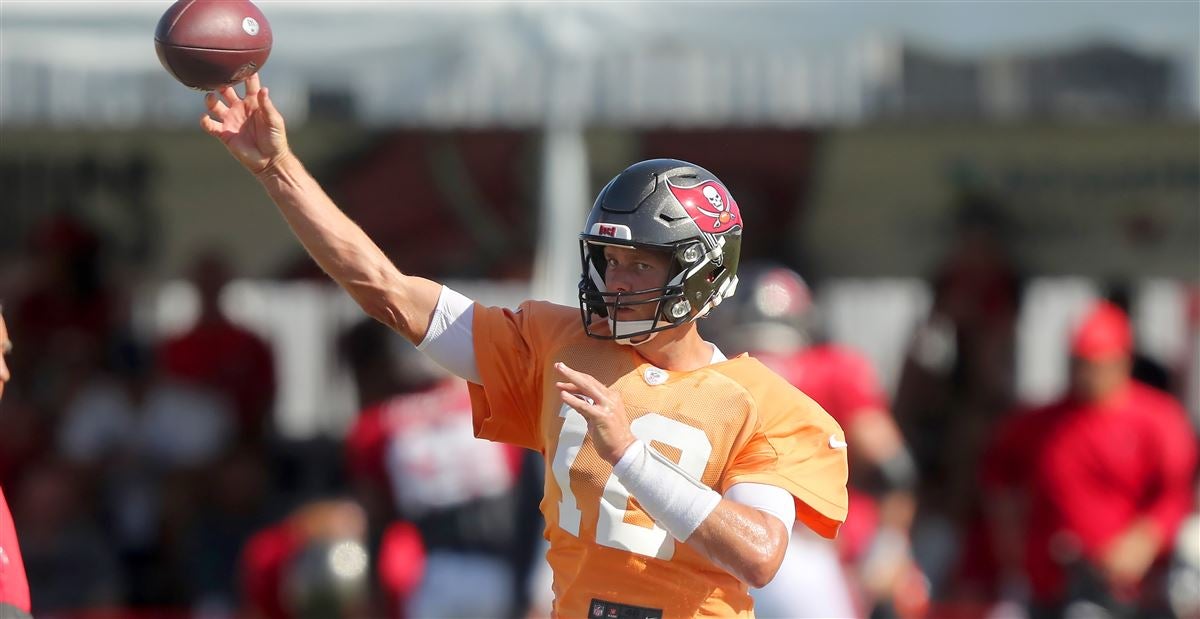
pixel 385 309
pixel 761 572
pixel 380 310
pixel 759 578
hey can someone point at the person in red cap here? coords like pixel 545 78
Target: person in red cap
pixel 1088 492
pixel 14 588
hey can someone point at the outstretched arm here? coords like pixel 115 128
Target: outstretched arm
pixel 253 131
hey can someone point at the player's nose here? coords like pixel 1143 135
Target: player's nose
pixel 617 281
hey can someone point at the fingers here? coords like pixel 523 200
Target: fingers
pixel 577 377
pixel 214 104
pixel 229 95
pixel 264 101
pixel 210 126
pixel 579 382
pixel 584 391
pixel 253 85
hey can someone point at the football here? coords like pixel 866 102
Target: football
pixel 208 44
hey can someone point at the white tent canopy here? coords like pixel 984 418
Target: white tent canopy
pixel 513 64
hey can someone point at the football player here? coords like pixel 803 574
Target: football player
pixel 674 474
pixel 775 319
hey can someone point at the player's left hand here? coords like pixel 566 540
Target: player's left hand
pixel 602 407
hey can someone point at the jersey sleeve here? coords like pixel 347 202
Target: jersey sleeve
pixel 506 403
pixel 791 448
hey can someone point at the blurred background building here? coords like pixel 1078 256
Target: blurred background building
pixel 1014 160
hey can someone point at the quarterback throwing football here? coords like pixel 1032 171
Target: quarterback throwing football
pixel 674 475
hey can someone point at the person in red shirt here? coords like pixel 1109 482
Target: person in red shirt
pixel 1088 491
pixel 14 588
pixel 774 318
pixel 219 354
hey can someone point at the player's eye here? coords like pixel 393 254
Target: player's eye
pixel 642 266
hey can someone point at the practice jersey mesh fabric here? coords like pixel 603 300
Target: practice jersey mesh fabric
pixel 729 422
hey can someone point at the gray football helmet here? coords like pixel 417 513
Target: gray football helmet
pixel 671 206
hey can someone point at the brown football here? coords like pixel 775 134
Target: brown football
pixel 207 44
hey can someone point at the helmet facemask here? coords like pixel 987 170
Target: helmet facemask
pixel 677 302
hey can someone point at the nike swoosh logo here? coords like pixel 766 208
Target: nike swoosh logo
pixel 834 443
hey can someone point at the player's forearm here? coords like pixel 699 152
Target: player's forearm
pixel 742 541
pixel 346 253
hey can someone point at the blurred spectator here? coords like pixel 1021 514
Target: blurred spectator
pixel 136 413
pixel 68 308
pixel 144 439
pixel 409 447
pixel 313 564
pixel 71 565
pixel 958 378
pixel 14 589
pixel 1089 491
pixel 222 356
pixel 774 319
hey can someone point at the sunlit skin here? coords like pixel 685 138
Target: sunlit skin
pixel 6 346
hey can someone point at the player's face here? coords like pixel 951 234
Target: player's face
pixel 5 347
pixel 632 269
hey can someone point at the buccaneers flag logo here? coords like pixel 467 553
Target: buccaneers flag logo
pixel 710 206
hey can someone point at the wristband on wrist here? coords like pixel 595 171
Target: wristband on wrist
pixel 675 500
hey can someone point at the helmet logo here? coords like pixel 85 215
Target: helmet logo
pixel 709 205
pixel 615 231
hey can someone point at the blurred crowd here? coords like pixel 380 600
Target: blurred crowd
pixel 147 478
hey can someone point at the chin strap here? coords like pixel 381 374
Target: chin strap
pixel 632 326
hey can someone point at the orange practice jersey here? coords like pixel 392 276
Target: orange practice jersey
pixel 730 422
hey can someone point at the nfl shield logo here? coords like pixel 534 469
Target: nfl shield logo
pixel 597 610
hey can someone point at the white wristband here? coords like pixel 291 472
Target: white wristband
pixel 675 500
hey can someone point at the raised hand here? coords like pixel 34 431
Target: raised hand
pixel 250 127
pixel 608 424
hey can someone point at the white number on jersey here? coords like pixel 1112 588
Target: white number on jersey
pixel 611 528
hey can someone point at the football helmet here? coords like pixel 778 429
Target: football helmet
pixel 670 206
pixel 774 313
